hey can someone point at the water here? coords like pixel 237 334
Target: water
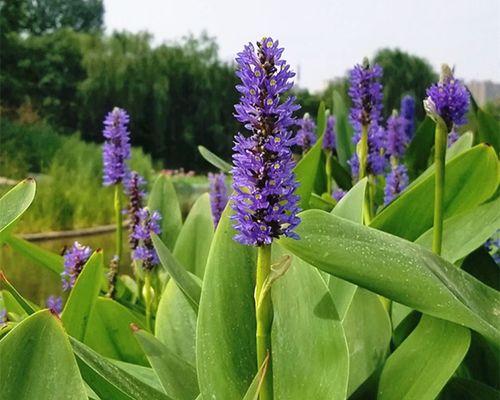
pixel 36 282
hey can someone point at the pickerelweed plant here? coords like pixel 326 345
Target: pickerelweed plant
pixel 371 291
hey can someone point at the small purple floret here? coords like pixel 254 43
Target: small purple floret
pixel 396 182
pixel 329 137
pixel 305 135
pixel 264 202
pixel 452 137
pixel 218 195
pixel 74 260
pixel 116 148
pixel 338 194
pixel 54 304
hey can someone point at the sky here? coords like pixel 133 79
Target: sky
pixel 323 39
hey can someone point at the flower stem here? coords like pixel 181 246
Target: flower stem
pixel 439 163
pixel 362 150
pixel 264 317
pixel 147 298
pixel 118 218
pixel 328 170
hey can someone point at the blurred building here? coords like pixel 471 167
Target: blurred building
pixel 484 91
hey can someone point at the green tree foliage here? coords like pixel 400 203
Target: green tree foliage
pixel 404 74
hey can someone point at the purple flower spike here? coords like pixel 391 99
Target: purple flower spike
pixel 329 137
pixel 74 260
pixel 305 135
pixel 493 246
pixel 116 149
pixel 365 91
pixel 265 202
pixel 147 223
pixel 408 113
pixel 338 194
pixel 377 160
pixel 449 99
pixel 397 139
pixel 218 195
pixel 54 304
pixel 452 137
pixel 396 182
pixel 136 195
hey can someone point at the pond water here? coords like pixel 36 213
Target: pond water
pixel 35 282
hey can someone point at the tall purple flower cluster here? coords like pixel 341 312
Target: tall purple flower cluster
pixel 305 135
pixel 265 202
pixel 147 223
pixel 116 149
pixel 396 136
pixel 218 195
pixel 449 98
pixel 329 137
pixel 396 182
pixel 407 111
pixel 74 260
pixel 136 196
pixel 377 160
pixel 365 91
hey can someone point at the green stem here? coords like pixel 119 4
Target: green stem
pixel 439 163
pixel 328 170
pixel 362 150
pixel 147 298
pixel 264 317
pixel 119 223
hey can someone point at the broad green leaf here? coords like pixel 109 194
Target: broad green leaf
pixel 321 203
pixel 163 198
pixel 215 160
pixel 465 232
pixel 176 323
pixel 51 261
pixel 82 298
pixel 177 377
pixel 11 305
pixel 405 326
pixel 482 266
pixel 37 362
pixel 188 283
pixel 341 175
pixel 320 120
pixel 304 309
pixel 110 381
pixel 488 129
pixel 254 388
pixel 110 333
pixel 411 214
pixel 195 237
pixel 467 389
pixel 305 171
pixel 419 150
pixel 425 361
pixel 396 269
pixel 345 147
pixel 225 337
pixel 4 283
pixel 144 374
pixel 15 202
pixel 368 332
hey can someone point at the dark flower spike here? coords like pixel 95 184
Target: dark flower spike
pixel 329 137
pixel 116 148
pixel 306 137
pixel 74 260
pixel 218 195
pixel 144 252
pixel 396 182
pixel 134 189
pixel 408 113
pixel 396 136
pixel 448 100
pixel 264 201
pixel 377 160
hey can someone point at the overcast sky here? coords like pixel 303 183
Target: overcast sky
pixel 325 38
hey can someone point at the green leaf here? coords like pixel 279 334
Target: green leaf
pixel 368 332
pixel 411 214
pixel 465 232
pixel 110 333
pixel 425 361
pixel 488 129
pixel 144 374
pixel 177 377
pixel 82 298
pixel 225 337
pixel 396 269
pixel 188 283
pixel 321 203
pixel 195 237
pixel 305 171
pixel 467 389
pixel 419 150
pixel 4 283
pixel 254 389
pixel 341 175
pixel 37 362
pixel 11 305
pixel 215 160
pixel 321 120
pixel 15 202
pixel 110 381
pixel 176 323
pixel 53 262
pixel 304 309
pixel 345 146
pixel 163 199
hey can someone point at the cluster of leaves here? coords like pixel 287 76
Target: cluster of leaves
pixel 361 311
